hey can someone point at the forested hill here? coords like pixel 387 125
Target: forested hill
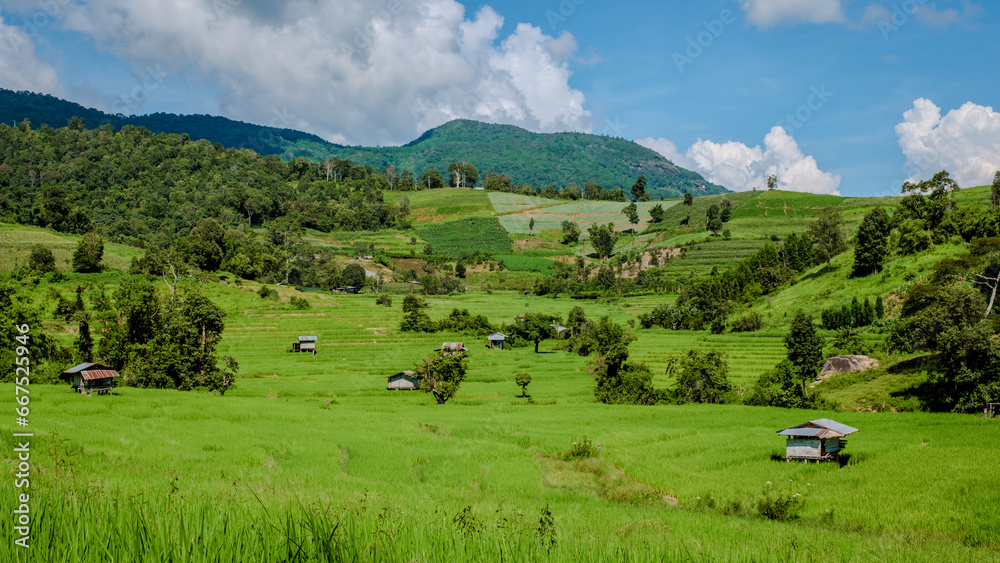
pixel 539 160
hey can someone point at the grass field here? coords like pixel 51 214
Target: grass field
pixel 516 212
pixel 466 236
pixel 311 455
pixel 16 242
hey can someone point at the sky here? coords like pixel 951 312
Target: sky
pixel 850 97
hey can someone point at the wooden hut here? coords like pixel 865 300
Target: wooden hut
pixel 453 348
pixel 89 377
pixel 403 381
pixel 816 440
pixel 496 340
pixel 305 344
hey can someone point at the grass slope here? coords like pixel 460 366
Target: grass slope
pixel 17 241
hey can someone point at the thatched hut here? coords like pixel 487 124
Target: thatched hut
pixel 816 440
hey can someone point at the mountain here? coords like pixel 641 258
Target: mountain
pixel 556 159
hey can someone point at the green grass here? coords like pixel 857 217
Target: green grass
pixel 517 211
pixel 468 235
pixel 521 263
pixel 444 204
pixel 17 241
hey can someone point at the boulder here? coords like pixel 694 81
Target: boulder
pixel 847 364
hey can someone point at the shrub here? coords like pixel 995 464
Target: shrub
pixel 266 292
pixel 384 299
pixel 780 506
pixel 582 449
pixel 300 303
pixel 748 323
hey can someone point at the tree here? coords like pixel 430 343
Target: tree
pixel 772 182
pixel 805 347
pixel 727 210
pixel 603 237
pixel 41 259
pixel 570 232
pixel 591 190
pixel 84 343
pixel 632 212
pixel 714 223
pixel 535 327
pixel 688 199
pixel 88 254
pixel 531 225
pixel 828 235
pixel 441 374
pixel 462 175
pixel 656 214
pixel 618 381
pixel 206 243
pixel 523 379
pixel 701 377
pixel 55 207
pixel 938 191
pixel 460 269
pixel 353 276
pixel 639 190
pixel 995 191
pixel 415 318
pixel 432 180
pixel 873 242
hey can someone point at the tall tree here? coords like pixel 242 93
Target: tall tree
pixel 688 199
pixel 827 233
pixel 432 180
pixel 656 214
pixel 462 175
pixel 713 215
pixel 772 182
pixel 41 259
pixel 591 190
pixel 873 242
pixel 632 212
pixel 701 377
pixel 639 190
pixel 603 237
pixel 536 327
pixel 805 347
pixel 88 254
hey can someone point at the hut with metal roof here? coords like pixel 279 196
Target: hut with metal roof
pixel 449 348
pixel 496 340
pixel 816 440
pixel 403 381
pixel 89 377
pixel 305 344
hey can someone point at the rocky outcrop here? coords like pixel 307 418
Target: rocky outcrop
pixel 847 364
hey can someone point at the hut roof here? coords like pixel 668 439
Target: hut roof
pixel 90 371
pixel 496 336
pixel 453 346
pixel 308 338
pixel 822 428
pixel 406 373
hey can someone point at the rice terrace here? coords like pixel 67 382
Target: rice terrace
pixel 450 282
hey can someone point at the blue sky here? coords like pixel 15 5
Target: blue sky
pixel 834 96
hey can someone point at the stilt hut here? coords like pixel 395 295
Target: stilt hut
pixel 816 440
pixel 449 348
pixel 305 344
pixel 496 340
pixel 403 381
pixel 89 377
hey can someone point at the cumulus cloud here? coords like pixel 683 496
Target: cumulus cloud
pixel 767 13
pixel 348 70
pixel 965 142
pixel 20 67
pixel 741 168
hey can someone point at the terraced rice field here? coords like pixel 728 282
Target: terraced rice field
pixel 516 212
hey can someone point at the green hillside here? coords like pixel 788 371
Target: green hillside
pixel 528 158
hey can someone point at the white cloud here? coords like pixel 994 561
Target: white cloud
pixel 741 168
pixel 766 13
pixel 348 69
pixel 965 142
pixel 20 68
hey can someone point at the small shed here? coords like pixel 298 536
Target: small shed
pixel 496 340
pixel 816 440
pixel 305 344
pixel 403 381
pixel 89 377
pixel 453 348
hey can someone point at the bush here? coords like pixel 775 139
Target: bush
pixel 780 506
pixel 300 303
pixel 748 323
pixel 582 449
pixel 266 292
pixel 384 299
